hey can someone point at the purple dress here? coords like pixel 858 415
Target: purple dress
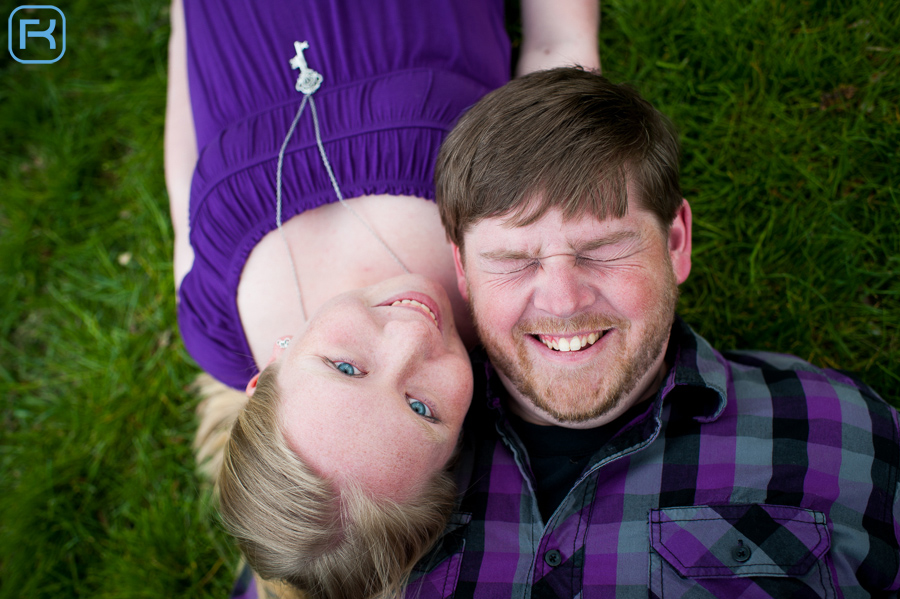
pixel 397 76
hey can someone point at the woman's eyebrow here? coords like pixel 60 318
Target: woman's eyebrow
pixel 357 382
pixel 428 429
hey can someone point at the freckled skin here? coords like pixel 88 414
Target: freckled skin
pixel 557 277
pixel 363 427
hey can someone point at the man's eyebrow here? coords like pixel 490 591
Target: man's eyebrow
pixel 612 239
pixel 578 247
pixel 507 255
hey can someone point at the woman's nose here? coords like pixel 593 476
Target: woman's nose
pixel 407 341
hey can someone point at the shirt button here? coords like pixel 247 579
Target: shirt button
pixel 553 558
pixel 740 553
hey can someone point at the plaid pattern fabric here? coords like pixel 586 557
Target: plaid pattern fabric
pixel 749 475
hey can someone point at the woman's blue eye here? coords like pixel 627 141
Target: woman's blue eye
pixel 347 368
pixel 420 408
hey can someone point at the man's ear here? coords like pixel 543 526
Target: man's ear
pixel 680 242
pixel 251 386
pixel 460 272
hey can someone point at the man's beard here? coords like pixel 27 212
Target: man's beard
pixel 579 393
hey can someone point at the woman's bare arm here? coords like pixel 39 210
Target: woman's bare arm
pixel 559 33
pixel 180 143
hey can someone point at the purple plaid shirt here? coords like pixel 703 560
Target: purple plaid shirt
pixel 749 475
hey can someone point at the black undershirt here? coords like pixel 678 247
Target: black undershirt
pixel 558 455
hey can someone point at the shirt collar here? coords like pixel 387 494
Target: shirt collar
pixel 697 372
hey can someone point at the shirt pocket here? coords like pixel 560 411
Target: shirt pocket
pixel 749 551
pixel 436 574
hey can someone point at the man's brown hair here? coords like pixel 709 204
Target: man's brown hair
pixel 564 138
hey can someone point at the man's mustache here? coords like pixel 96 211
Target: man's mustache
pixel 579 323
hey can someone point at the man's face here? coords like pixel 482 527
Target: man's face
pixel 576 315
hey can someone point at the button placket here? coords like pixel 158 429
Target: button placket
pixel 553 558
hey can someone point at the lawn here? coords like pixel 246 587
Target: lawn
pixel 790 124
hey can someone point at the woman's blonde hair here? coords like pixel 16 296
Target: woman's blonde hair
pixel 296 526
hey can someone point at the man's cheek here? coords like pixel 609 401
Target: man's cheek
pixel 499 318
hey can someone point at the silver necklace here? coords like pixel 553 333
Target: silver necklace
pixel 307 83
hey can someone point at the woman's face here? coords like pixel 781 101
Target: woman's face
pixel 376 385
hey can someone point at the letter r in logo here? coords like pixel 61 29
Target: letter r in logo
pixel 23 25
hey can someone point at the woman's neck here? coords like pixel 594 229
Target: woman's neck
pixel 334 253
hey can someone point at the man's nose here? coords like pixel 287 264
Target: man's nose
pixel 562 289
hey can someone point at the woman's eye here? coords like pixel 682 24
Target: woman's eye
pixel 347 368
pixel 420 408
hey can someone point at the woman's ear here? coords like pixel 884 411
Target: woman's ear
pixel 251 386
pixel 278 348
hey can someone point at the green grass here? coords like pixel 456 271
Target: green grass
pixel 790 124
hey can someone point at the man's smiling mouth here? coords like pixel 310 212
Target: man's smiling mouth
pixel 570 343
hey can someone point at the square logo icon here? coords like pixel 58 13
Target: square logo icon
pixel 37 34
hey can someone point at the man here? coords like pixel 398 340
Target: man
pixel 610 450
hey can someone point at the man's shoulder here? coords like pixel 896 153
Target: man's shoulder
pixel 766 382
pixel 791 375
pixel 828 408
pixel 769 360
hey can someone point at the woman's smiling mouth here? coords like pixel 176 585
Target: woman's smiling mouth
pixel 411 303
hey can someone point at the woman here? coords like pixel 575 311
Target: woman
pixel 276 112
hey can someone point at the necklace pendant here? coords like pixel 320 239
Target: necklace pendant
pixel 309 80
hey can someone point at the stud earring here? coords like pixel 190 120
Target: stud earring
pixel 283 343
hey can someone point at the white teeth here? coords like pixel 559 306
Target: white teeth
pixel 574 343
pixel 417 305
